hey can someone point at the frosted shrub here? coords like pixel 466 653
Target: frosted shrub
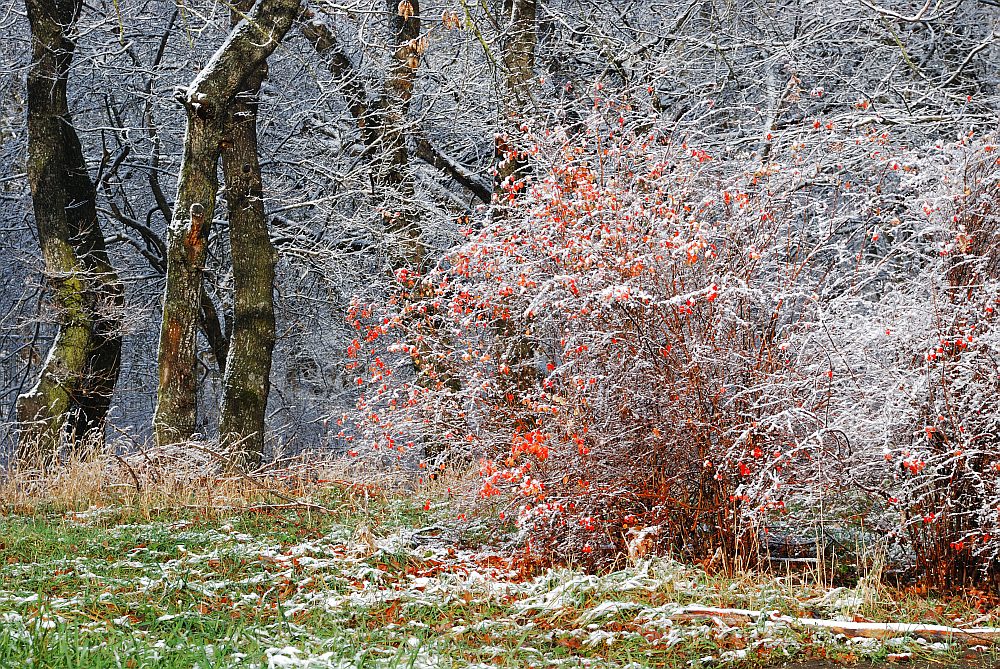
pixel 643 343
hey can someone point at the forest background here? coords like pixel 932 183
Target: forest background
pixel 670 270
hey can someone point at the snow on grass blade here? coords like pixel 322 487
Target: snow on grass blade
pixel 369 590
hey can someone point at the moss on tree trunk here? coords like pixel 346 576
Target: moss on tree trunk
pixel 248 369
pixel 73 393
pixel 208 101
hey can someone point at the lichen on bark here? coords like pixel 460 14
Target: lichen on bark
pixel 72 395
pixel 207 102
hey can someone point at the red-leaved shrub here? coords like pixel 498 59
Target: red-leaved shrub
pixel 649 347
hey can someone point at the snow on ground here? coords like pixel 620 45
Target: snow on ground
pixel 200 595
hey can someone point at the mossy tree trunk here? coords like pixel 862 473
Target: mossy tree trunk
pixel 73 393
pixel 208 102
pixel 247 379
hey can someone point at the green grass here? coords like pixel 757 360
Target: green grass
pixel 121 587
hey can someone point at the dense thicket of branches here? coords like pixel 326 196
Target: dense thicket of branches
pixel 296 182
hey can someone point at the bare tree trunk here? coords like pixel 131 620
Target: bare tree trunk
pixel 73 392
pixel 519 49
pixel 382 124
pixel 383 129
pixel 247 380
pixel 519 71
pixel 521 37
pixel 208 101
pixel 394 171
pixel 216 331
pixel 392 159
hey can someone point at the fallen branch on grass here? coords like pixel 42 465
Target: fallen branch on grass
pixel 262 508
pixel 868 630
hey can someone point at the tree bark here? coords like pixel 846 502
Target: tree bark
pixel 105 352
pixel 521 37
pixel 519 51
pixel 247 380
pixel 207 101
pixel 382 123
pixel 392 159
pixel 73 393
pixel 383 129
pixel 519 71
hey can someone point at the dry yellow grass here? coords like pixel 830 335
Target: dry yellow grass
pixel 193 475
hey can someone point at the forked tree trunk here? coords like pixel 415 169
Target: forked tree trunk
pixel 247 379
pixel 208 102
pixel 73 393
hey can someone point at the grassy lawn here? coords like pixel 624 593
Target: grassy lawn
pixel 382 582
